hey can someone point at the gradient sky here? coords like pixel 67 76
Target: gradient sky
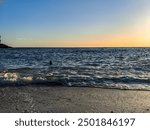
pixel 75 23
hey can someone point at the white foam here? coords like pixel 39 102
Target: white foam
pixel 29 78
pixel 41 78
pixel 11 76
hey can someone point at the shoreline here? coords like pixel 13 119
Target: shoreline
pixel 43 99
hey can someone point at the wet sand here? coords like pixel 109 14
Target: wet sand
pixel 72 99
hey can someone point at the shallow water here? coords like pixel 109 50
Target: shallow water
pixel 122 68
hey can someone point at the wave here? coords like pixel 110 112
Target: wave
pixel 49 79
pixel 15 79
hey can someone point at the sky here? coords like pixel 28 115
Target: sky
pixel 75 23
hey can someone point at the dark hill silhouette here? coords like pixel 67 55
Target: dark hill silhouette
pixel 4 46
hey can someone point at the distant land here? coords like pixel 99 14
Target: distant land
pixel 4 46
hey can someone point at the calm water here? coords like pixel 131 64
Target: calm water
pixel 121 68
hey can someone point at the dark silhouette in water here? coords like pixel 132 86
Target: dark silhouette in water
pixel 3 45
pixel 50 63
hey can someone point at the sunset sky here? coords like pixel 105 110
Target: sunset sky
pixel 75 23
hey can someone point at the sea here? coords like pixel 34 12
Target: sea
pixel 113 68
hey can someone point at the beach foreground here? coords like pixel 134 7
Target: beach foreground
pixel 72 99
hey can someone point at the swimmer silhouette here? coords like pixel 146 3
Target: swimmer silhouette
pixel 50 63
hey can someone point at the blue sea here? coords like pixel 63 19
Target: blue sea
pixel 116 68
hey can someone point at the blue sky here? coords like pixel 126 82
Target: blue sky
pixel 61 23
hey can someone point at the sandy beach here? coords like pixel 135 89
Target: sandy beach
pixel 72 99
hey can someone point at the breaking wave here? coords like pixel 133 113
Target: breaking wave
pixel 61 78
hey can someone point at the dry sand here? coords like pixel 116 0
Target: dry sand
pixel 72 99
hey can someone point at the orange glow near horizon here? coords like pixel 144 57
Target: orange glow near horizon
pixel 138 37
pixel 76 23
pixel 135 36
